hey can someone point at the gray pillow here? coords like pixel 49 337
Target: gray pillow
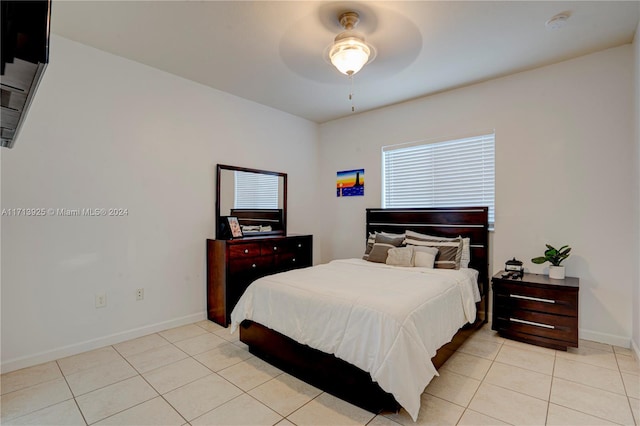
pixel 379 252
pixel 384 237
pixel 395 240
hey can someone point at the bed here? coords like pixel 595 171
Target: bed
pixel 375 353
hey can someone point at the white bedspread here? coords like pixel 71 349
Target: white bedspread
pixel 386 320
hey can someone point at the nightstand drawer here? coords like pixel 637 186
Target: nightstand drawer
pixel 517 301
pixel 534 292
pixel 550 326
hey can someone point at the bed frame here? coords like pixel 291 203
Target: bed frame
pixel 344 380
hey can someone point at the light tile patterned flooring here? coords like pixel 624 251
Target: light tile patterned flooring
pixel 199 374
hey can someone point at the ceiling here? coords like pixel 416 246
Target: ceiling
pixel 271 52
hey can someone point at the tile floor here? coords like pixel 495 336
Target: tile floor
pixel 199 374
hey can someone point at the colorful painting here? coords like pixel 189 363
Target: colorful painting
pixel 350 183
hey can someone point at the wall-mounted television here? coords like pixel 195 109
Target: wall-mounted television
pixel 24 54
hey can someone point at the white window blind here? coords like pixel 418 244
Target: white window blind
pixel 256 191
pixel 452 173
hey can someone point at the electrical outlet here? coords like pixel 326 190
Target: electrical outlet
pixel 140 294
pixel 101 300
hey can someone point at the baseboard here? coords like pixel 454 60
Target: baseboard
pixel 76 348
pixel 611 339
pixel 636 349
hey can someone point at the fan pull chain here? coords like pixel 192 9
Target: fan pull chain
pixel 353 108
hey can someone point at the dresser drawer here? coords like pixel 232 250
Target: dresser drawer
pixel 273 247
pixel 301 248
pixel 289 260
pixel 244 250
pixel 299 244
pixel 250 265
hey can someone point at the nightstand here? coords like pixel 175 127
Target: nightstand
pixel 536 309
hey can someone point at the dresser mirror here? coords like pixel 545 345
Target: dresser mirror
pixel 257 198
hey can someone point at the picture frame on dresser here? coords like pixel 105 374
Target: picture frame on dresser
pixel 225 232
pixel 234 227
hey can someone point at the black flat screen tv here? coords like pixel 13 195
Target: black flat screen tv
pixel 25 54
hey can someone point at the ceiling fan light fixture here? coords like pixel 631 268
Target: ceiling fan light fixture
pixel 349 52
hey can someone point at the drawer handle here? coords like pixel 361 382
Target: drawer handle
pixel 294 260
pixel 300 245
pixel 253 265
pixel 275 249
pixel 535 299
pixel 537 324
pixel 246 251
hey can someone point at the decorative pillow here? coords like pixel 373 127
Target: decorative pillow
pixel 394 239
pixel 371 239
pixel 466 253
pixel 379 252
pixel 400 256
pixel 466 245
pixel 424 257
pixel 449 249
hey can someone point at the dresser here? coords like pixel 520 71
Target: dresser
pixel 234 264
pixel 536 309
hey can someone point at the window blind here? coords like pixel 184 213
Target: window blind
pixel 452 173
pixel 255 191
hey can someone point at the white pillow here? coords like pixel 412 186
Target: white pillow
pixel 424 257
pixel 401 256
pixel 466 253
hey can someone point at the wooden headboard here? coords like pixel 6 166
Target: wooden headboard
pixel 469 222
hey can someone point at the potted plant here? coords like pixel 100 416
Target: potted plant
pixel 555 257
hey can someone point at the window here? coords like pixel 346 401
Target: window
pixel 256 191
pixel 451 173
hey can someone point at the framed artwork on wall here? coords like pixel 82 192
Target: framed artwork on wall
pixel 350 183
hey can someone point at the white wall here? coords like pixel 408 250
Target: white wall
pixel 636 287
pixel 106 132
pixel 564 155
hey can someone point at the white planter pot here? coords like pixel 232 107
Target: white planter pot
pixel 556 272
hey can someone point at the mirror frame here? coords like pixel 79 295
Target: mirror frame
pixel 220 168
